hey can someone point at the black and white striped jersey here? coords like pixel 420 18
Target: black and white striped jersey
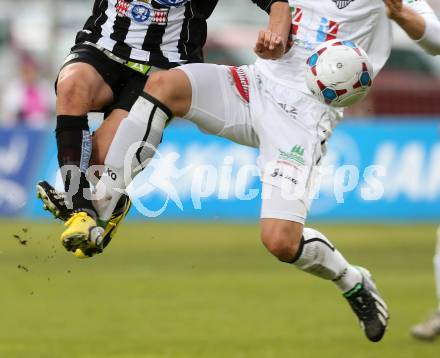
pixel 162 33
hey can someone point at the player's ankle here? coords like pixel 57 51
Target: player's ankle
pixel 349 279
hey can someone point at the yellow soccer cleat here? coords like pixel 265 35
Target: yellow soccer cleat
pixel 79 254
pixel 102 236
pixel 77 232
pixel 86 253
pixel 90 249
pixel 55 201
pixel 107 235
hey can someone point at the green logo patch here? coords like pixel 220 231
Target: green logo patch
pixel 296 155
pixel 138 67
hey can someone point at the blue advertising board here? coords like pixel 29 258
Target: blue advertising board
pixel 21 151
pixel 373 170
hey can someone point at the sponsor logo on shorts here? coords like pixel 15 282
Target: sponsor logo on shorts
pixel 277 173
pixel 296 155
pixel 342 4
pixel 138 67
pixel 241 82
pixel 142 12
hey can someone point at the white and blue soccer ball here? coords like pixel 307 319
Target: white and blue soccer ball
pixel 339 73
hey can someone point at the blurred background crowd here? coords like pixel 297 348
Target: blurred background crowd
pixel 35 36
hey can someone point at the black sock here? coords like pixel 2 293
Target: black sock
pixel 74 149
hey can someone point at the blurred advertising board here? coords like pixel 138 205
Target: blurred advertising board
pixel 374 170
pixel 21 153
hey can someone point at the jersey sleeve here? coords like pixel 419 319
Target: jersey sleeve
pixel 265 4
pixel 430 41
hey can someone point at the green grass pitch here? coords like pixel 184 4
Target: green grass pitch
pixel 187 290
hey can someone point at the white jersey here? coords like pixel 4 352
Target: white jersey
pixel 315 21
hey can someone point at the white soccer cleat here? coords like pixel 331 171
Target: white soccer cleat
pixel 429 329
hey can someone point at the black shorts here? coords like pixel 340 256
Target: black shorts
pixel 126 84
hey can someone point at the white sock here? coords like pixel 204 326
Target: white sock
pixel 437 268
pixel 144 126
pixel 320 258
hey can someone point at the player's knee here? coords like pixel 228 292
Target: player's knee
pixel 159 85
pixel 282 241
pixel 73 92
pixel 171 88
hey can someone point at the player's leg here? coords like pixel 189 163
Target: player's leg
pixel 57 202
pixel 430 329
pixel 139 134
pixel 80 89
pixel 82 85
pixel 88 80
pixel 168 93
pixel 284 235
pixel 310 251
pixel 103 136
pixel 127 87
pixel 289 151
pixel 77 232
pixel 102 139
pixel 132 85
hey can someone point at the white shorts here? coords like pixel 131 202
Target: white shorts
pixel 289 127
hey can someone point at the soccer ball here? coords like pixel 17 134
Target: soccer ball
pixel 339 73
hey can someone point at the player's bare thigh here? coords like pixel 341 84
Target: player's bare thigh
pixel 80 89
